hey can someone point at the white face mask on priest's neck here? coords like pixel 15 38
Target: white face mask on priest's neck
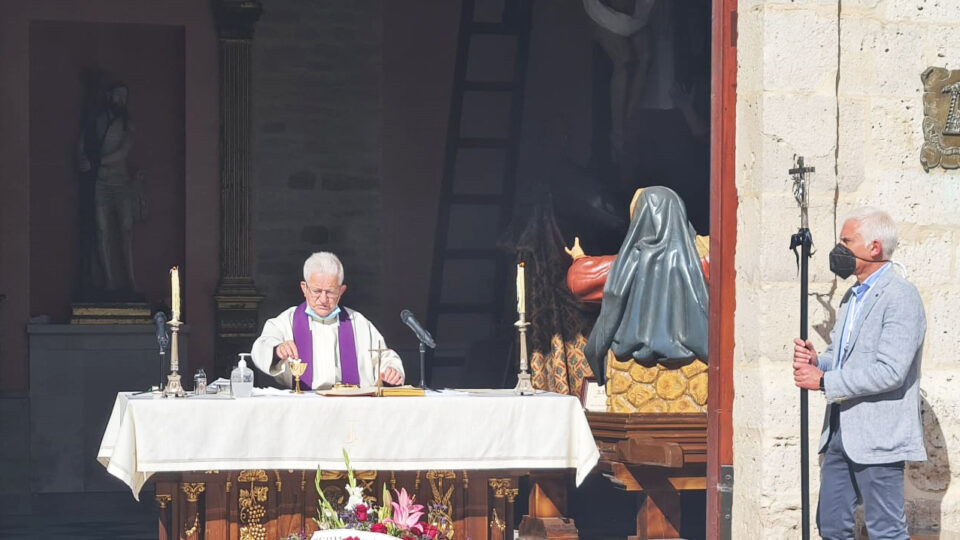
pixel 332 315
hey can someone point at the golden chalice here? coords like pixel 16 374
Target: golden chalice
pixel 297 368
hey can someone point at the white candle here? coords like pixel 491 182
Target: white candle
pixel 175 293
pixel 521 290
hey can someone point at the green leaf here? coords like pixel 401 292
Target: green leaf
pixel 323 504
pixel 351 480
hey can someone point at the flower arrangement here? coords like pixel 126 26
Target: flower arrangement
pixel 398 517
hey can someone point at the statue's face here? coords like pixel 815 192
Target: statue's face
pixel 322 293
pixel 117 98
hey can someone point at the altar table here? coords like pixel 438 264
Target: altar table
pixel 223 465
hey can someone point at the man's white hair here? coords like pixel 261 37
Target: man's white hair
pixel 875 224
pixel 323 262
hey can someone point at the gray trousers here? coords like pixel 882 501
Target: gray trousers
pixel 844 483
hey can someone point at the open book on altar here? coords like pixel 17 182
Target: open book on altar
pixel 404 390
pixel 386 391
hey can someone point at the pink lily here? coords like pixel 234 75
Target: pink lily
pixel 406 514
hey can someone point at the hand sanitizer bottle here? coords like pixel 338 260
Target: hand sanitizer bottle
pixel 241 379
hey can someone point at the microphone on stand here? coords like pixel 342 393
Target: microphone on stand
pixel 420 331
pixel 425 339
pixel 160 321
pixel 163 338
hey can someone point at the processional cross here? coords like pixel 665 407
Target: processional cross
pixel 803 240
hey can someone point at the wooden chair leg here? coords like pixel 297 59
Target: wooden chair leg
pixel 658 514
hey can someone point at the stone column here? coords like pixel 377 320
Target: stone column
pixel 236 296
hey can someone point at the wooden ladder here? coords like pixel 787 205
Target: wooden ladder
pixel 470 275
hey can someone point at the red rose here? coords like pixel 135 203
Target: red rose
pixel 361 510
pixel 352 538
pixel 378 528
pixel 429 530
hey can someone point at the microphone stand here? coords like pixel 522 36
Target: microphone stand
pixel 162 354
pixel 423 366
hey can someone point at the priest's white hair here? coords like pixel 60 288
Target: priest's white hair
pixel 323 262
pixel 875 224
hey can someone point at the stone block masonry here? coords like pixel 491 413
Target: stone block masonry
pixel 317 135
pixel 840 84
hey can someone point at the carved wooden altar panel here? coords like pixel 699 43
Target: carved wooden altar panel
pixel 272 504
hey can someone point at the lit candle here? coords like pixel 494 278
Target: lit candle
pixel 521 290
pixel 175 293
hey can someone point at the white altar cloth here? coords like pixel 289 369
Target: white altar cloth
pixel 442 430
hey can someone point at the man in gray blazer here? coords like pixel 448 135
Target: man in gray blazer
pixel 870 375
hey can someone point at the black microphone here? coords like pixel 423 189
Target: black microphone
pixel 420 331
pixel 160 321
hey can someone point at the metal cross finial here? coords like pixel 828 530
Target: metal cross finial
pixel 801 184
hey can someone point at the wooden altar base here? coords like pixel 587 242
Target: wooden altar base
pixel 656 456
pixel 269 505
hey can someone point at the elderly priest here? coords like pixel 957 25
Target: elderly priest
pixel 338 344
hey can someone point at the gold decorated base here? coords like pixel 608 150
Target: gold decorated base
pixel 524 385
pixel 651 387
pixel 174 388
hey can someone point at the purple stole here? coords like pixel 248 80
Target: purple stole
pixel 303 338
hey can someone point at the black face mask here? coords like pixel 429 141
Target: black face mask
pixel 843 262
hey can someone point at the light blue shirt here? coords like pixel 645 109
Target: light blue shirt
pixel 857 295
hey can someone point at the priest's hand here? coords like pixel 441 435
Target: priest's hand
pixel 286 350
pixel 803 352
pixel 391 376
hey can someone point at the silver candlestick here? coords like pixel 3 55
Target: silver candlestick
pixel 174 388
pixel 524 385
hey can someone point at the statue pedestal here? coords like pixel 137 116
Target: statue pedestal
pixel 76 371
pixel 111 313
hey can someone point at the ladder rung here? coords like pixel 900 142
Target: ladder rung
pixel 489 86
pixel 483 307
pixel 463 253
pixel 476 198
pixel 493 28
pixel 482 142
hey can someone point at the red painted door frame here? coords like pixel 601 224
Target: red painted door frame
pixel 723 241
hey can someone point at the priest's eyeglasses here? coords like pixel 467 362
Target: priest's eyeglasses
pixel 317 293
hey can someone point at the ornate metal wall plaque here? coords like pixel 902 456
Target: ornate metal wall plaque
pixel 941 119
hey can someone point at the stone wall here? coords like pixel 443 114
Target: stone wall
pixel 317 136
pixel 840 84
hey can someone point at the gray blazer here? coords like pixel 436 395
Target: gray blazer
pixel 877 386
